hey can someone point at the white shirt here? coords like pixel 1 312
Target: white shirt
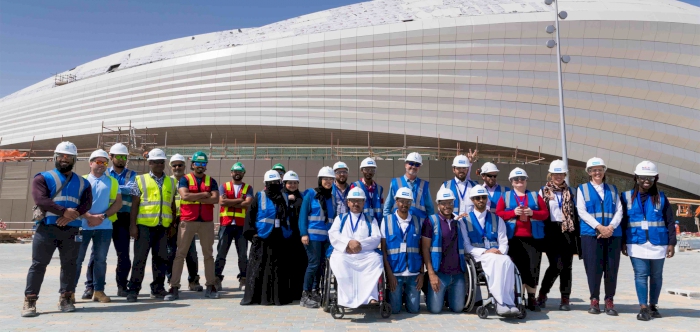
pixel 465 204
pixel 646 251
pixel 403 223
pixel 491 192
pixel 340 240
pixel 589 219
pixel 502 235
pixel 555 213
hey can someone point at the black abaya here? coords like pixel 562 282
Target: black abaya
pixel 297 253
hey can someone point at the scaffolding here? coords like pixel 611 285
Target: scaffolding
pixel 63 79
pixel 138 141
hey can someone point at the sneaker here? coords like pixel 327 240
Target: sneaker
pixel 532 304
pixel 159 294
pixel 542 301
pixel 311 303
pixel 88 294
pixel 121 292
pixel 595 307
pixel 564 305
pixel 64 302
pixel 316 295
pixel 101 297
pixel 654 311
pixel 610 308
pixel 132 296
pixel 194 285
pixel 173 294
pixel 212 293
pixel 644 314
pixel 304 298
pixel 29 308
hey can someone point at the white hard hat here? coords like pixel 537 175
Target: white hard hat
pixel 414 157
pixel 119 149
pixel 477 190
pixel 595 161
pixel 558 166
pixel 156 154
pixel 444 194
pixel 646 168
pixel 66 148
pixel 99 153
pixel 489 167
pixel 340 165
pixel 517 172
pixel 368 162
pixel 290 176
pixel 176 157
pixel 356 193
pixel 326 172
pixel 271 175
pixel 404 192
pixel 461 161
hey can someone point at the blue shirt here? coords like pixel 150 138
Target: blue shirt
pixel 101 188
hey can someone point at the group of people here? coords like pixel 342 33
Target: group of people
pixel 362 234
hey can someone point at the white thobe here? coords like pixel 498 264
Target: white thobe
pixel 357 274
pixel 499 269
pixel 463 187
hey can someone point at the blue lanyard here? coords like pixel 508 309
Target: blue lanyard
pixel 559 199
pixel 517 199
pixel 464 192
pixel 644 213
pixel 339 195
pixel 403 234
pixel 357 224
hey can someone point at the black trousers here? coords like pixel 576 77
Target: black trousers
pixel 228 235
pixel 47 239
pixel 560 248
pixel 154 240
pixel 601 257
pixel 122 241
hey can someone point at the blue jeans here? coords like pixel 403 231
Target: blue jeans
pixel 405 286
pixel 101 240
pixel 316 253
pixel 456 293
pixel 648 277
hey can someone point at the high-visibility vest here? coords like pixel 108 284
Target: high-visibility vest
pixel 266 216
pixel 343 218
pixel 229 214
pixel 436 244
pixel 657 232
pixel 69 197
pixel 318 223
pixel 602 210
pixel 478 235
pixel 452 185
pixel 419 187
pixel 124 178
pixel 497 193
pixel 191 211
pixel 113 191
pixel 411 258
pixel 537 226
pixel 178 200
pixel 373 205
pixel 156 202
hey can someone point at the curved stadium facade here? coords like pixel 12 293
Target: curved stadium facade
pixel 461 70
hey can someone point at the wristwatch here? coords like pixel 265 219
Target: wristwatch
pixel 104 216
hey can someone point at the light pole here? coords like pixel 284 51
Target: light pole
pixel 565 59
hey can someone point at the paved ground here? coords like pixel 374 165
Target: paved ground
pixel 194 313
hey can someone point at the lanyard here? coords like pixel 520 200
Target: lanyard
pixel 354 227
pixel 339 195
pixel 404 234
pixel 559 199
pixel 517 199
pixel 463 192
pixel 641 203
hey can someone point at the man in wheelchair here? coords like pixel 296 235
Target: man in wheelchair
pixel 488 244
pixel 356 261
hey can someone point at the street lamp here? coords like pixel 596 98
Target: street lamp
pixel 565 59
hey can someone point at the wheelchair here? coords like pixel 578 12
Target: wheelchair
pixel 475 278
pixel 329 295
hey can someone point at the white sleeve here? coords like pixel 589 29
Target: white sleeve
pixel 383 227
pixel 583 213
pixel 372 242
pixel 338 240
pixel 617 218
pixel 502 237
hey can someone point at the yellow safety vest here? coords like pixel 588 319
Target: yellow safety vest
pixel 113 191
pixel 155 202
pixel 177 196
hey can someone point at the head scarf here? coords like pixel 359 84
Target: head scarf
pixel 274 193
pixel 567 203
pixel 322 194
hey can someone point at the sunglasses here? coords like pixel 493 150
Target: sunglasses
pixel 157 162
pixel 519 178
pixel 199 164
pixel 479 198
pixel 369 170
pixel 490 176
pixel 413 164
pixel 177 165
pixel 101 163
pixel 646 178
pixel 446 203
pixel 120 157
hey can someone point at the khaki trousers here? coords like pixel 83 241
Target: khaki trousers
pixel 185 236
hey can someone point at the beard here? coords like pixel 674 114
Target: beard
pixel 63 169
pixel 238 177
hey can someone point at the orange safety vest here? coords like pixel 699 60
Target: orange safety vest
pixel 229 214
pixel 191 211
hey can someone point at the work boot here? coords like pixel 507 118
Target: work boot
pixel 644 314
pixel 595 307
pixel 101 297
pixel 132 296
pixel 72 298
pixel 212 293
pixel 121 292
pixel 542 300
pixel 532 304
pixel 311 303
pixel 29 308
pixel 304 298
pixel 64 302
pixel 241 282
pixel 88 294
pixel 159 294
pixel 173 294
pixel 217 283
pixel 195 286
pixel 564 305
pixel 654 311
pixel 316 295
pixel 610 308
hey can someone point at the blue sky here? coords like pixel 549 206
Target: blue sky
pixel 41 37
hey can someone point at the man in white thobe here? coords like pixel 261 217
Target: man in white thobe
pixel 490 248
pixel 355 261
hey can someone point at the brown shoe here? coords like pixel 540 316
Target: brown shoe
pixel 65 302
pixel 101 297
pixel 29 308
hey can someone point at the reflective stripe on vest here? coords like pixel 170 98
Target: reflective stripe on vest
pixel 69 197
pixel 657 232
pixel 418 208
pixel 373 205
pixel 476 233
pixel 229 215
pixel 265 218
pixel 192 211
pixel 436 244
pixel 156 202
pixel 178 200
pixel 318 222
pixel 602 210
pixel 411 259
pixel 536 226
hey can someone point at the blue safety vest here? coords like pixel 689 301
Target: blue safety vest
pixel 657 233
pixel 411 258
pixel 452 184
pixel 602 210
pixel 497 193
pixel 373 205
pixel 69 197
pixel 343 218
pixel 340 198
pixel 537 226
pixel 419 187
pixel 124 178
pixel 478 236
pixel 436 244
pixel 265 218
pixel 319 224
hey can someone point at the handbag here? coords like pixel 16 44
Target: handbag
pixel 37 213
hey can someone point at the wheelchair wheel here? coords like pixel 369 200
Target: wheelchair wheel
pixel 326 287
pixel 337 312
pixel 472 280
pixel 385 310
pixel 482 312
pixel 523 312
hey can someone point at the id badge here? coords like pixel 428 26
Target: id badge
pixel 487 244
pixel 645 224
pixel 277 223
pixel 402 248
pixel 79 238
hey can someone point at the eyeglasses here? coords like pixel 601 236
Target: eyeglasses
pixel 413 164
pixel 479 198
pixel 596 170
pixel 519 178
pixel 490 176
pixel 369 170
pixel 101 163
pixel 199 164
pixel 446 203
pixel 120 157
pixel 177 165
pixel 356 201
pixel 404 201
pixel 63 156
pixel 646 178
pixel 341 172
pixel 157 162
